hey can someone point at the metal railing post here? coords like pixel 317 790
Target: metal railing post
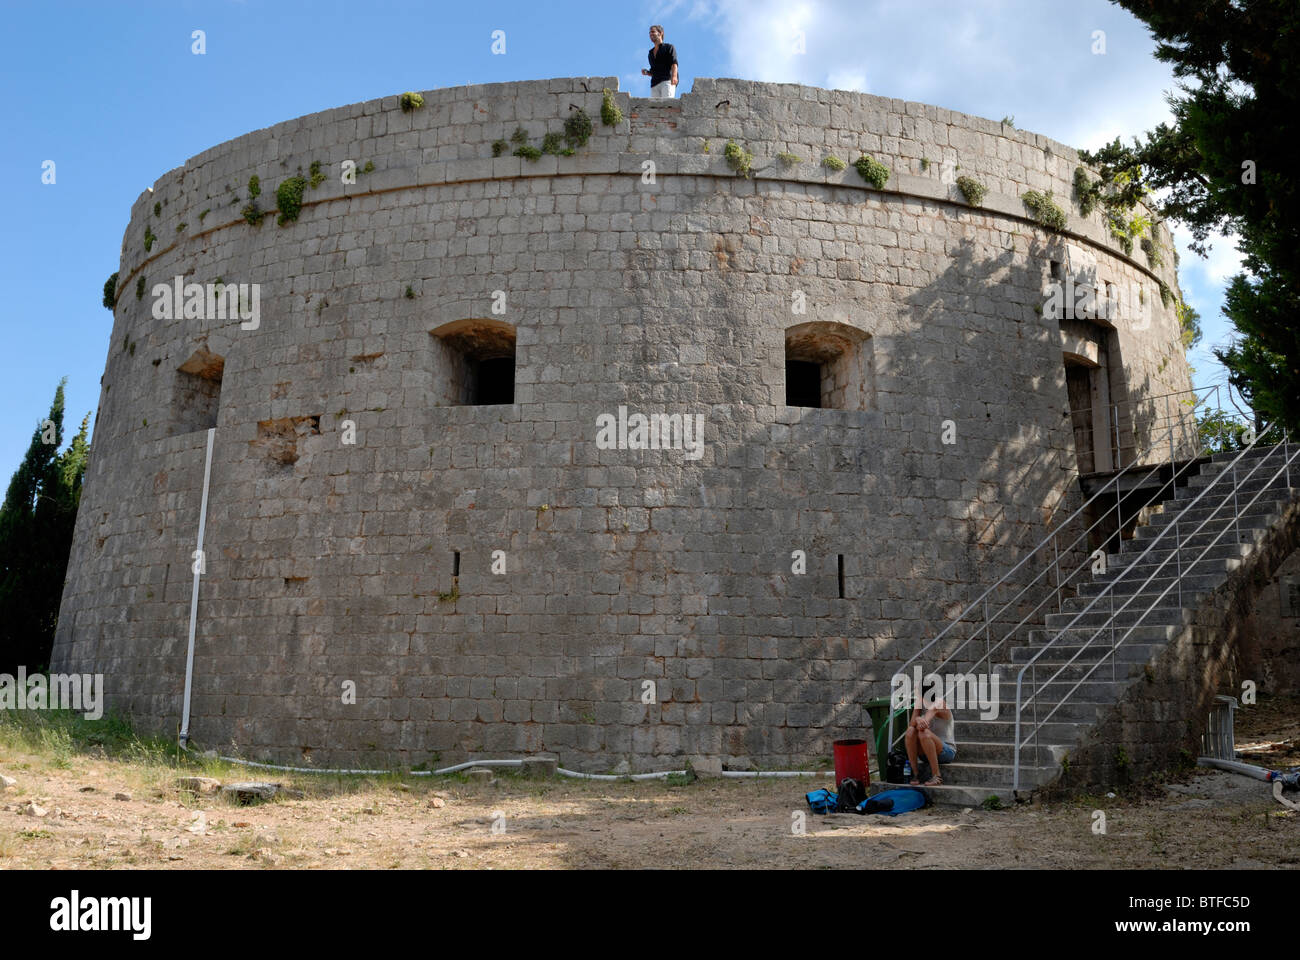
pixel 1235 509
pixel 1056 565
pixel 1178 554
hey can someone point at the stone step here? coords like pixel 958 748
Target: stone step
pixel 1060 653
pixel 1153 555
pixel 1136 614
pixel 1075 710
pixel 1255 453
pixel 1201 533
pixel 1148 633
pixel 1274 491
pixel 969 751
pixel 1136 601
pixel 1055 732
pixel 1193 585
pixel 1260 508
pixel 1136 575
pixel 1097 689
pixel 951 795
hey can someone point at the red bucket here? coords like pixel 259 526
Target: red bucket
pixel 852 760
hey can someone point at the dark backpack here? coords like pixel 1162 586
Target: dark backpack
pixel 894 764
pixel 851 793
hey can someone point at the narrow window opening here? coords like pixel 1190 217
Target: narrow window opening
pixel 841 559
pixel 196 394
pixel 828 366
pixel 474 363
pixel 455 564
pixel 1056 270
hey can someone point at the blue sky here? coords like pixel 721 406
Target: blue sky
pixel 113 95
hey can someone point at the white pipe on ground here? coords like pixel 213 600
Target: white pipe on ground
pixel 1235 766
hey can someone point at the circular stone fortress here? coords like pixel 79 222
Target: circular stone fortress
pixel 626 453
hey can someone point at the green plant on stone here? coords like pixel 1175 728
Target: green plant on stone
pixel 610 114
pixel 499 147
pixel 704 146
pixel 1166 295
pixel 288 198
pixel 157 209
pixel 450 597
pixel 1121 759
pixel 180 227
pixel 992 802
pixel 204 214
pixel 551 143
pixel 410 292
pixel 789 159
pixel 519 137
pixel 738 158
pixel 972 190
pixel 253 214
pixel 317 178
pixel 528 152
pixel 139 287
pixel 1046 210
pixel 1009 121
pixel 578 128
pixel 832 162
pixel 254 187
pixel 110 292
pixel 1086 191
pixel 1153 250
pixel 925 164
pixel 149 238
pixel 872 171
pixel 369 167
pixel 411 101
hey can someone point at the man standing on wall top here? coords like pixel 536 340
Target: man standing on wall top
pixel 663 66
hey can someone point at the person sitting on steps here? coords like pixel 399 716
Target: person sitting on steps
pixel 932 732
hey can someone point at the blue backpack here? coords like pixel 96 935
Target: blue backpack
pixel 893 802
pixel 821 801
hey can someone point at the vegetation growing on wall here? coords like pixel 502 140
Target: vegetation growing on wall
pixel 110 292
pixel 789 159
pixel 872 171
pixel 317 178
pixel 411 101
pixel 972 190
pixel 254 187
pixel 832 162
pixel 1046 210
pixel 528 152
pixel 288 199
pixel 149 238
pixel 578 128
pixel 139 287
pixel 499 147
pixel 738 158
pixel 610 114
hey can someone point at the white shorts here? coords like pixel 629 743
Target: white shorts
pixel 663 91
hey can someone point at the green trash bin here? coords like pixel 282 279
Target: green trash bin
pixel 878 710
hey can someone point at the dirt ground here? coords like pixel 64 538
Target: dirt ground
pixel 96 811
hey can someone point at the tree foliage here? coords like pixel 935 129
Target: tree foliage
pixel 1227 165
pixel 36 522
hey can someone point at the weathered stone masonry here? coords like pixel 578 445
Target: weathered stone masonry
pixel 329 562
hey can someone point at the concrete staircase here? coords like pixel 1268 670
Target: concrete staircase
pixel 984 765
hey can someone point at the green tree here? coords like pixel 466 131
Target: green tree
pixel 1227 165
pixel 36 523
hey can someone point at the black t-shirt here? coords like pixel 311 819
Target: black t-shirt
pixel 661 67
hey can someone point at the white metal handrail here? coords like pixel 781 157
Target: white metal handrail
pixel 1022 702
